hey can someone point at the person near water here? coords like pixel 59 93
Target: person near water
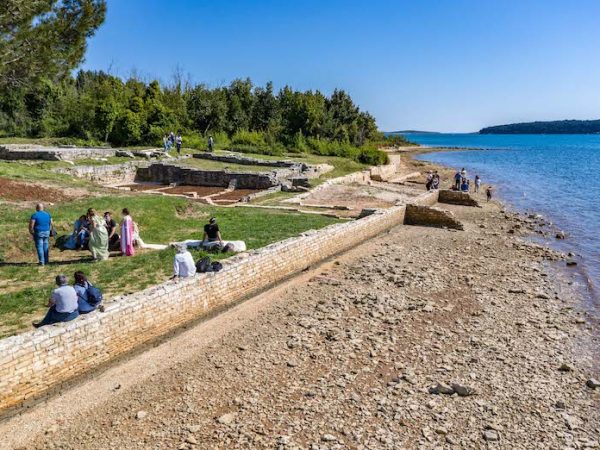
pixel 178 143
pixel 457 181
pixel 40 226
pixel 488 193
pixel 183 263
pixel 127 231
pixel 477 183
pixel 84 303
pixel 211 143
pixel 63 306
pixel 435 181
pixel 463 172
pixel 464 187
pixel 111 229
pixel 429 180
pixel 98 243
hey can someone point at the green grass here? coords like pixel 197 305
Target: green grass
pixel 25 287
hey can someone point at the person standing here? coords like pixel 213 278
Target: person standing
pixel 63 305
pixel 178 143
pixel 98 243
pixel 457 181
pixel 488 193
pixel 165 144
pixel 463 173
pixel 477 183
pixel 429 180
pixel 127 232
pixel 40 226
pixel 211 143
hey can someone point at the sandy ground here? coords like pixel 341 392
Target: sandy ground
pixel 421 338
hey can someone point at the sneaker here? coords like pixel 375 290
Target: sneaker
pixel 36 324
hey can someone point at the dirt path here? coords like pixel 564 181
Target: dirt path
pixel 345 357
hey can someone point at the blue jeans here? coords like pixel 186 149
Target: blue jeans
pixel 41 245
pixel 53 316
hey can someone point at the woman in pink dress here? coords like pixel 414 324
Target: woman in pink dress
pixel 127 234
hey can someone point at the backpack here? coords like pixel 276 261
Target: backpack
pixel 204 265
pixel 94 295
pixel 216 266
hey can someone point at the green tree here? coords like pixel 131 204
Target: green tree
pixel 45 38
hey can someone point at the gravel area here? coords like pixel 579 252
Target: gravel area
pixel 421 338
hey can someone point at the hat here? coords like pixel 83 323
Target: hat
pixel 212 220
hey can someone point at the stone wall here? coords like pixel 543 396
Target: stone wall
pixel 35 152
pixel 34 362
pixel 110 174
pixel 431 217
pixel 457 198
pixel 166 174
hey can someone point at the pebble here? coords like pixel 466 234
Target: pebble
pixel 592 383
pixel 141 415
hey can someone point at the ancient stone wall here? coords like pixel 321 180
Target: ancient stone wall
pixel 35 152
pixel 166 174
pixel 431 217
pixel 110 174
pixel 457 198
pixel 34 362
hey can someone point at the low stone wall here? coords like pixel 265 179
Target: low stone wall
pixel 431 217
pixel 166 174
pixel 34 362
pixel 110 174
pixel 457 198
pixel 34 152
pixel 235 158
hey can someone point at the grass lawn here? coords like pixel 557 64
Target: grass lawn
pixel 25 287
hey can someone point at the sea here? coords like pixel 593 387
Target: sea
pixel 557 176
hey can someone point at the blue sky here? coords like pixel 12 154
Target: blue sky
pixel 445 65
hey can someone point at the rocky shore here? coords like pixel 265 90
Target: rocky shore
pixel 421 338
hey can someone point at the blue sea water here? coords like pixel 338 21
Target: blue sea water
pixel 557 176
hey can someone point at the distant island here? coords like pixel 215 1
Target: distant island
pixel 412 132
pixel 548 127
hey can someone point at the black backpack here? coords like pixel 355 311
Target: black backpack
pixel 206 265
pixel 94 295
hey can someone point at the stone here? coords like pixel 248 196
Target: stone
pixel 491 436
pixel 441 388
pixel 226 419
pixel 191 440
pixel 560 235
pixel 593 383
pixel 565 367
pixel 141 415
pixel 462 390
pixel 571 262
pixel 328 438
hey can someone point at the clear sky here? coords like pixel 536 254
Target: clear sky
pixel 442 65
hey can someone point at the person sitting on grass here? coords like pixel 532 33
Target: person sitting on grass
pixel 63 305
pixel 212 235
pixel 183 263
pixel 81 231
pixel 85 304
pixel 111 228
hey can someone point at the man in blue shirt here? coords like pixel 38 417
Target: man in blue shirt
pixel 40 225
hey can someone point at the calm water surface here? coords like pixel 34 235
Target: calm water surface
pixel 555 175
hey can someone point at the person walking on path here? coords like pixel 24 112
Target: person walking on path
pixel 211 143
pixel 178 143
pixel 40 226
pixel 63 305
pixel 477 183
pixel 127 234
pixel 98 243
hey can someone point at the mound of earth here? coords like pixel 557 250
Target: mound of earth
pixel 12 190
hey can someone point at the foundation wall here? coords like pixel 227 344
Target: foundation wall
pixel 431 217
pixel 33 152
pixel 33 363
pixel 457 198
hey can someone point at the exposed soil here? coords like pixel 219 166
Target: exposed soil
pixel 11 190
pixel 354 355
pixel 144 187
pixel 235 195
pixel 201 191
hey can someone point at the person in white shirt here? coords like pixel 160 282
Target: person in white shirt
pixel 183 263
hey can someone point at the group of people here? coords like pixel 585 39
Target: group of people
pixel 171 140
pixel 98 233
pixel 67 302
pixel 463 184
pixel 433 180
